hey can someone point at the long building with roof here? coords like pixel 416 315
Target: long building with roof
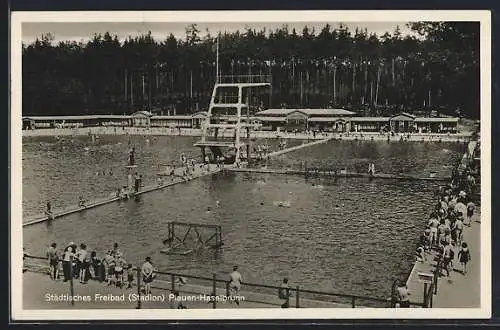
pixel 329 120
pixel 341 120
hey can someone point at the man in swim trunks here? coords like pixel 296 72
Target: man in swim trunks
pixel 53 258
pixel 458 227
pixel 235 283
pixel 433 226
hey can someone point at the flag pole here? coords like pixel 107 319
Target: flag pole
pixel 217 65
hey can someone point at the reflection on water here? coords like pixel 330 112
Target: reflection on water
pixel 345 235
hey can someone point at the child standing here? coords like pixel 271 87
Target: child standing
pixel 464 257
pixel 110 265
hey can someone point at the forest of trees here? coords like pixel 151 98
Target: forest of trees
pixel 334 67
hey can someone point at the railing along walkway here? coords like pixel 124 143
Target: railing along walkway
pixel 266 295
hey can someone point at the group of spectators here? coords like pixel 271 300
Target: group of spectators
pixel 454 210
pixel 78 263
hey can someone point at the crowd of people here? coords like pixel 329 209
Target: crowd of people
pixel 453 211
pixel 77 262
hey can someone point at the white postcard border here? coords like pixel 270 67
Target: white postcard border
pixel 16 231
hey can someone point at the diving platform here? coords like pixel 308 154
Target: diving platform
pixel 220 144
pixel 244 84
pixel 229 108
pixel 244 80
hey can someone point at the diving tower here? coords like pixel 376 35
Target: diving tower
pixel 231 111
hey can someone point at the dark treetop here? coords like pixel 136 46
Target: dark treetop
pixel 336 67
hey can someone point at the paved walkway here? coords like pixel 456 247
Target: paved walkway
pixel 458 291
pixel 463 291
pixel 37 285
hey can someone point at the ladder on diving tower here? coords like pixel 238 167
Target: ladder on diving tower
pixel 229 109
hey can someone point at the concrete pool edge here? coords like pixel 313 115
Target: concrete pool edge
pixel 187 132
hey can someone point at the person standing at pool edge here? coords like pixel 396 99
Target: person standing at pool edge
pixel 147 274
pixel 48 212
pixel 53 259
pixel 235 284
pixel 67 259
pixel 403 296
pixel 131 157
pixel 284 293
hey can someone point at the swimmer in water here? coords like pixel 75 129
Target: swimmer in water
pixel 209 209
pixel 217 203
pixel 261 203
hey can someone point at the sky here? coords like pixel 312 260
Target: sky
pixel 82 31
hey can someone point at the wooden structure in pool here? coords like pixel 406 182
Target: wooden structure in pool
pixel 185 238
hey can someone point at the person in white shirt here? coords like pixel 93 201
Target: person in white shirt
pixel 147 274
pixel 109 260
pixel 84 260
pixel 68 255
pixel 120 264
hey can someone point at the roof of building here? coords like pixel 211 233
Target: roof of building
pixel 309 112
pixel 327 119
pixel 403 116
pixel 142 113
pixel 83 117
pixel 172 117
pixel 369 119
pixel 437 119
pixel 200 114
pixel 264 118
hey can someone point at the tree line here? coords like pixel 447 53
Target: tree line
pixel 436 69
